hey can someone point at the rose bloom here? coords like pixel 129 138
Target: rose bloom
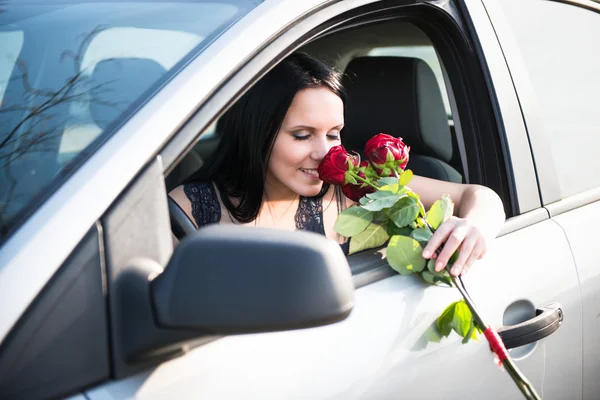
pixel 335 164
pixel 382 148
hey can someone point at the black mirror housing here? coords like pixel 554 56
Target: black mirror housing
pixel 227 279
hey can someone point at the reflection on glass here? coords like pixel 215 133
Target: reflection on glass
pixel 71 73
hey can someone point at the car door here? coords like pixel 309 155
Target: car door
pixel 387 347
pixel 558 85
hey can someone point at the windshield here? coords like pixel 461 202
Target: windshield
pixel 71 72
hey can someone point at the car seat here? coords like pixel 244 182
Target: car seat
pixel 399 96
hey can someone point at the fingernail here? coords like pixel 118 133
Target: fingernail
pixel 439 266
pixel 454 271
pixel 426 254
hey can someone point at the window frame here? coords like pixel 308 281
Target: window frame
pixel 369 268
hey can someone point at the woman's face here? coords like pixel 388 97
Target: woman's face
pixel 310 128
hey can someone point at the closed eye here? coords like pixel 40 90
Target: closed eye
pixel 301 137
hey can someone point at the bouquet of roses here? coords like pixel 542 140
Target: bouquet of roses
pixel 390 212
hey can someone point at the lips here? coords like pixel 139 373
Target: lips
pixel 310 171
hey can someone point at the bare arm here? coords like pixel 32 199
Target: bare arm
pixel 479 216
pixel 181 199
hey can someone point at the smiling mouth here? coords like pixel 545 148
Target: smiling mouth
pixel 312 172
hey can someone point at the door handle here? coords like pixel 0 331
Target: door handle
pixel 546 321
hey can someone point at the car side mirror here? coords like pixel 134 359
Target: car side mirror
pixel 227 279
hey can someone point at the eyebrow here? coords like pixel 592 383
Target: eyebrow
pixel 312 128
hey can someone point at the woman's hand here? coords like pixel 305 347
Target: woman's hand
pixel 457 234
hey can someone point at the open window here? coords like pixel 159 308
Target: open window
pixel 397 82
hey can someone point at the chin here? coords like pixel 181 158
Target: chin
pixel 310 190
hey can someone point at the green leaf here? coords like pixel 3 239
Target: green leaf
pixel 428 277
pixel 418 200
pixel 374 236
pixel 391 180
pixel 381 218
pixel 353 221
pixel 404 212
pixel 379 194
pixel 470 334
pixel 431 265
pixel 404 255
pixel 421 235
pixel 382 202
pixel 391 188
pixel 462 318
pixel 394 230
pixel 441 277
pixel 406 177
pixel 440 211
pixel 444 321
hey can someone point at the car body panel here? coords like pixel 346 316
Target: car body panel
pixel 382 349
pixel 580 226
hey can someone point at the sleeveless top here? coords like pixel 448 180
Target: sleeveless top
pixel 206 209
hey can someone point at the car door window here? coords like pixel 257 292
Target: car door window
pixel 70 74
pixel 558 46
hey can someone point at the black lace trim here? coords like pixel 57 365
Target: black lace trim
pixel 205 205
pixel 309 216
pixel 206 209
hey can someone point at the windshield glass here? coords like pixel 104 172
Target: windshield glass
pixel 71 72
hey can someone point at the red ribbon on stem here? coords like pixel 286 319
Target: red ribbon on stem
pixel 496 344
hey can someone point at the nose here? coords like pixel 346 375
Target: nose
pixel 320 148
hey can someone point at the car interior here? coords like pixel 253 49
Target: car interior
pixel 394 82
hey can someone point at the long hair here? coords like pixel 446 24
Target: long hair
pixel 249 128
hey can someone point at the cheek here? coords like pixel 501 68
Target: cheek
pixel 287 155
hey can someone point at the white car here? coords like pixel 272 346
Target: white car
pixel 106 106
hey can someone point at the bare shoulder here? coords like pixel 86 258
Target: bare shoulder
pixel 337 195
pixel 349 202
pixel 178 194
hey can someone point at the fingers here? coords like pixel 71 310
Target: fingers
pixel 478 252
pixel 455 239
pixel 454 234
pixel 438 238
pixel 465 254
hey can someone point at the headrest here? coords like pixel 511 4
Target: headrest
pixel 122 81
pixel 399 96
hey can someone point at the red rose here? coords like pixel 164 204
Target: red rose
pixel 385 150
pixel 335 164
pixel 355 192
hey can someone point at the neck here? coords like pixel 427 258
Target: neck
pixel 278 193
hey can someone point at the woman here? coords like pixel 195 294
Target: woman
pixel 264 171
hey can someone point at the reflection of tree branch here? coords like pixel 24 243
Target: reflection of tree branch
pixel 86 40
pixel 59 96
pixel 4 205
pixel 38 110
pixel 46 105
